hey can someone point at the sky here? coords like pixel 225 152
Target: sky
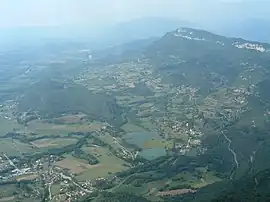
pixel 25 13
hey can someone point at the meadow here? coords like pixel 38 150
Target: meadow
pixel 45 128
pixel 14 147
pixel 52 143
pixel 7 125
pixel 109 164
pixel 74 165
pixel 151 144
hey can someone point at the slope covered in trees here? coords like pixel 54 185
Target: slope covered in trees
pixel 51 98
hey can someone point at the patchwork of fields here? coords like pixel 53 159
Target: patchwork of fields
pixel 152 145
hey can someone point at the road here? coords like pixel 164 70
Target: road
pixel 49 188
pixel 187 146
pixel 185 151
pixel 75 183
pixel 12 164
pixel 231 150
pixel 125 150
pixel 121 183
pixel 50 193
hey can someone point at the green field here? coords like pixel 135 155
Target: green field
pixel 147 124
pixel 53 143
pixel 151 144
pixel 14 147
pixel 110 141
pixel 55 188
pixel 43 128
pixel 130 127
pixel 7 125
pixel 108 165
pixel 7 190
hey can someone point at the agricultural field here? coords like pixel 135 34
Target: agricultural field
pixel 71 119
pixel 55 189
pixel 147 124
pixel 15 147
pixel 110 140
pixel 45 128
pixel 7 125
pixel 6 191
pixel 140 138
pixel 130 127
pixel 152 145
pixel 7 199
pixel 109 164
pixel 52 143
pixel 74 165
pixel 27 177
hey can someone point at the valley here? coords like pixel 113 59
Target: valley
pixel 149 123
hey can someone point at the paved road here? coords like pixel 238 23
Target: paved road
pixel 70 179
pixel 121 183
pixel 12 164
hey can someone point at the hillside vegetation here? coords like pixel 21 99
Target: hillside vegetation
pixel 53 99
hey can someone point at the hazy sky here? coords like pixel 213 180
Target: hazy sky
pixel 14 13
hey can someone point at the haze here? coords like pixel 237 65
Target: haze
pixel 14 13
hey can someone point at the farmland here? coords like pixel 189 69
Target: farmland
pixel 74 165
pixel 50 143
pixel 45 128
pixel 7 125
pixel 14 147
pixel 109 164
pixel 151 144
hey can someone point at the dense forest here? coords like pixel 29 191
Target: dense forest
pixel 65 98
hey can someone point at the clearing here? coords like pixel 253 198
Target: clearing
pixel 44 128
pixel 58 142
pixel 27 177
pixel 175 192
pixel 75 165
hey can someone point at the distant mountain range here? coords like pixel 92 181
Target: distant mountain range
pixel 142 28
pixel 251 29
pixel 97 37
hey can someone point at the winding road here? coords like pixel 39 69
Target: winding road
pixel 231 150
